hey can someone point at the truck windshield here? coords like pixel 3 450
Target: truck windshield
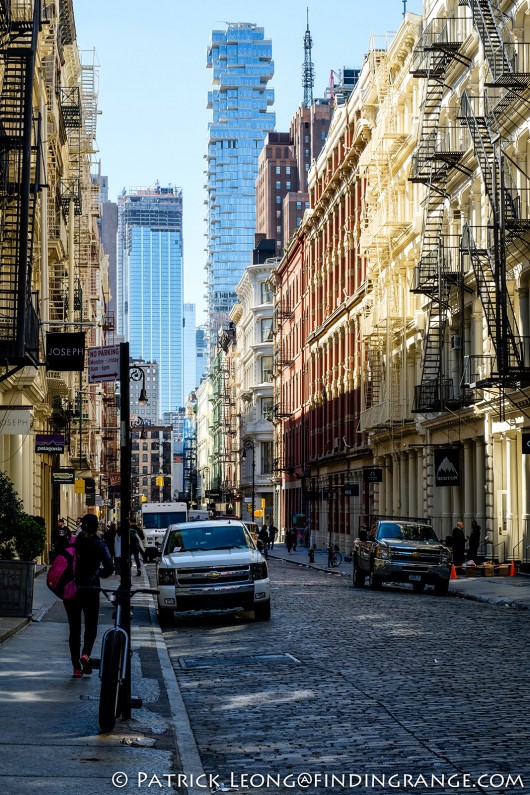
pixel 159 521
pixel 406 532
pixel 188 539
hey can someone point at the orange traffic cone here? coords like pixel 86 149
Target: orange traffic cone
pixel 453 573
pixel 512 569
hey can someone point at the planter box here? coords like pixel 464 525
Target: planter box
pixel 16 587
pixel 503 570
pixel 489 570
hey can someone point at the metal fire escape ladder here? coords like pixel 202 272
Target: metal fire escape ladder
pixel 437 48
pixel 489 262
pixel 19 170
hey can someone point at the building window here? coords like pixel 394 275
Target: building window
pixel 298 205
pixel 266 329
pixel 298 221
pixel 266 293
pixel 278 170
pixel 266 369
pixel 266 458
pixel 278 186
pixel 278 199
pixel 278 230
pixel 287 169
pixel 266 408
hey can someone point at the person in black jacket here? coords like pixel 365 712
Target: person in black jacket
pixel 459 544
pixel 92 561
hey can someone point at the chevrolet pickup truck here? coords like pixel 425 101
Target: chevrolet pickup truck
pixel 402 551
pixel 211 565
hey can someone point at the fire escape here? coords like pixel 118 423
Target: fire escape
pixel 282 359
pixel 439 151
pixel 19 184
pixel 507 188
pixel 189 452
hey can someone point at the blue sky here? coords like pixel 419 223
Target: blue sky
pixel 153 84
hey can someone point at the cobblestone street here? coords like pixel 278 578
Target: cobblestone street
pixel 357 682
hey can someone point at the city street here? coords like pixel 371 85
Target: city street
pixel 345 681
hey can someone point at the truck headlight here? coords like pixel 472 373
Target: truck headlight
pixel 258 571
pixel 166 577
pixel 445 556
pixel 383 552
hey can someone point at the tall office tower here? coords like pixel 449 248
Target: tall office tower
pixel 150 290
pixel 241 60
pixel 285 160
pixel 190 350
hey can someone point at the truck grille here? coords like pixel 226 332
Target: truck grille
pixel 221 575
pixel 409 556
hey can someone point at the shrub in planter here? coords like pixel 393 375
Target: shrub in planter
pixel 10 512
pixel 30 536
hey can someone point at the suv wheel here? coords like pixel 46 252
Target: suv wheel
pixel 441 587
pixel 358 575
pixel 262 612
pixel 376 583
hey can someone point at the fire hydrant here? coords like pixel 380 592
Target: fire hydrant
pixel 311 554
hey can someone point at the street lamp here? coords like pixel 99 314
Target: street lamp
pixel 139 422
pixel 127 374
pixel 248 444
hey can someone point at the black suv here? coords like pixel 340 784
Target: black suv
pixel 399 550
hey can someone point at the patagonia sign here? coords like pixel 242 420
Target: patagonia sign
pixel 65 352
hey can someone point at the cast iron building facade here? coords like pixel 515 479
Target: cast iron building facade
pixel 241 61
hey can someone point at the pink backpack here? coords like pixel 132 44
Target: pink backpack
pixel 61 574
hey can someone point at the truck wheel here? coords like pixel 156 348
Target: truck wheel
pixel 441 587
pixel 262 612
pixel 165 617
pixel 358 575
pixel 375 582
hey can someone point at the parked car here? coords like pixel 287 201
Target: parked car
pixel 211 565
pixel 399 550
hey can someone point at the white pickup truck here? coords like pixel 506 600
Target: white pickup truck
pixel 211 565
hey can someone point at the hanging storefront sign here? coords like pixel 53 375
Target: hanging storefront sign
pixel 351 489
pixel 14 421
pixel 64 475
pixel 447 466
pixel 65 351
pixel 79 486
pixel 49 443
pixel 90 491
pixel 525 437
pixel 373 474
pixel 327 494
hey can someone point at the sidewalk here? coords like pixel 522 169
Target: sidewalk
pixel 51 741
pixel 511 592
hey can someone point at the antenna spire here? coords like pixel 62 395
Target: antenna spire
pixel 308 70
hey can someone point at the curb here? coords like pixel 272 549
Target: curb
pixel 497 601
pixel 313 566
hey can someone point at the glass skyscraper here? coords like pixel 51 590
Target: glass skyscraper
pixel 241 60
pixel 150 284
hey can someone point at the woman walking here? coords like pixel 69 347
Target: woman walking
pixel 92 561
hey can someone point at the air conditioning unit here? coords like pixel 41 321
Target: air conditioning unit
pixel 456 342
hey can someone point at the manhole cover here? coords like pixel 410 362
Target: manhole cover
pixel 251 659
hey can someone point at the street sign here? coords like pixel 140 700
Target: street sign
pixel 104 364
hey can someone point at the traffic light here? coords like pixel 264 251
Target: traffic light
pixel 160 480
